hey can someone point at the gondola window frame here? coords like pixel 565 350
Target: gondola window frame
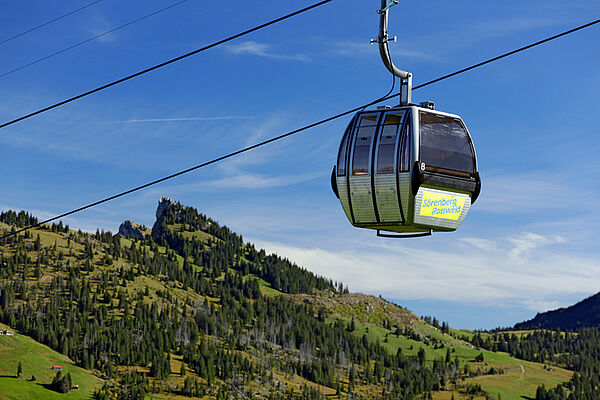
pixel 365 151
pixel 389 147
pixel 404 149
pixel 344 151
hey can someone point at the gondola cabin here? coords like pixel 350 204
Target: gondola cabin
pixel 408 169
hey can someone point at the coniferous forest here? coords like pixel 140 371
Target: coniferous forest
pixel 192 310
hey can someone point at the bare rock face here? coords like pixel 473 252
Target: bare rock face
pixel 131 230
pixel 163 204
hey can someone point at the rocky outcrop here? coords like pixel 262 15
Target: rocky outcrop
pixel 132 230
pixel 163 204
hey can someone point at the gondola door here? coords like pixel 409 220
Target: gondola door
pixel 361 190
pixel 386 190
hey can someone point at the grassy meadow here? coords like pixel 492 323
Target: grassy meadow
pixel 37 360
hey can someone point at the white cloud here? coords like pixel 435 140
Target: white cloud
pixel 528 241
pixel 263 50
pixel 482 244
pixel 539 278
pixel 40 214
pixel 541 305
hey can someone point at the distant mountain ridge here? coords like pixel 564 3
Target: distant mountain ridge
pixel 586 313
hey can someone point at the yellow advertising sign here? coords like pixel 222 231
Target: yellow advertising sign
pixel 441 205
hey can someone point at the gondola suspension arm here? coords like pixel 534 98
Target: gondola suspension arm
pixel 384 51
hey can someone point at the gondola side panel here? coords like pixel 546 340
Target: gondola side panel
pixel 342 183
pixel 405 195
pixel 362 199
pixel 387 198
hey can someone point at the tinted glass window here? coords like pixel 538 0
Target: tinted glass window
pixel 387 143
pixel 362 145
pixel 341 161
pixel 405 148
pixel 445 143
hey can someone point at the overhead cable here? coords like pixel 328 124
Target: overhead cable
pixel 490 60
pixel 90 39
pixel 276 138
pixel 510 53
pixel 49 22
pixel 163 64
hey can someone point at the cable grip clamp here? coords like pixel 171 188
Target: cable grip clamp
pixel 384 40
pixel 389 4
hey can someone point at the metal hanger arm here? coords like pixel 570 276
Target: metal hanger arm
pixel 383 39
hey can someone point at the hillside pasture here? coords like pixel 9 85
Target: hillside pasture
pixel 37 360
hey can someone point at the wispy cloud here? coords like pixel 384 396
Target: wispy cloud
pixel 102 31
pixel 433 47
pixel 40 214
pixel 103 218
pixel 482 244
pixel 528 241
pixel 256 181
pixel 464 35
pixel 268 127
pixel 541 305
pixel 241 181
pixel 488 29
pixel 534 192
pixel 178 119
pixel 460 36
pixel 354 48
pixel 263 50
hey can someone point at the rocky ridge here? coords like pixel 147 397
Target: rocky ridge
pixel 132 230
pixel 585 313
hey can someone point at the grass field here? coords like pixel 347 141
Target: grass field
pixel 37 360
pixel 519 380
pixel 267 290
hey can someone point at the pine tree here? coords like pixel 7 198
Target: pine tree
pixel 351 326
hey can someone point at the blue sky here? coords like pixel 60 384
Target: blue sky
pixel 529 244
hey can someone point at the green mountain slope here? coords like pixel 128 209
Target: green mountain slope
pixel 37 360
pixel 189 309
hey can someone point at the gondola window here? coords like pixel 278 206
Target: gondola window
pixel 387 144
pixel 445 144
pixel 362 145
